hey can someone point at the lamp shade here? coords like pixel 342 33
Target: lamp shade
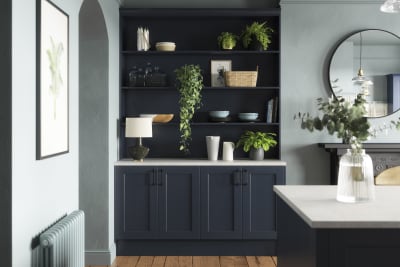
pixel 139 127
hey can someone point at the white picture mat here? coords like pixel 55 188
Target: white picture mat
pixel 53 106
pixel 217 77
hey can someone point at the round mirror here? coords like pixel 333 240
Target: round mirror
pixel 368 62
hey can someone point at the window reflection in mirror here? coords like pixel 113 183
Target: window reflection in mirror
pixel 380 62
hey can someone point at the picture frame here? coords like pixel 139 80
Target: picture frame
pixel 218 67
pixel 52 80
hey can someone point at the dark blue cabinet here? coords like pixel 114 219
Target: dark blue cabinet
pixel 393 92
pixel 157 203
pixel 239 203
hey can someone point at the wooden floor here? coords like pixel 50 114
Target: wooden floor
pixel 195 261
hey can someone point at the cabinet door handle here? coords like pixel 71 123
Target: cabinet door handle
pixel 160 177
pixel 245 178
pixel 236 178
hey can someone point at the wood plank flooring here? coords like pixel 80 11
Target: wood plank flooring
pixel 193 261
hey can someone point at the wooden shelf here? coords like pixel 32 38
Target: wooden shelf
pixel 198 52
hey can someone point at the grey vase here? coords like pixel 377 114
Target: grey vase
pixel 256 154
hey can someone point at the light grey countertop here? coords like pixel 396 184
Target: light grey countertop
pixel 198 162
pixel 318 207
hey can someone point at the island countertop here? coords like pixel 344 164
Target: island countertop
pixel 318 207
pixel 198 162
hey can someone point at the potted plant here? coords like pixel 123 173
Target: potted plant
pixel 256 143
pixel 349 122
pixel 227 40
pixel 256 36
pixel 189 84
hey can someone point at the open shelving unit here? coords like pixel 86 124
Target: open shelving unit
pixel 195 33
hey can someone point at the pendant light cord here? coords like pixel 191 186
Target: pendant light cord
pixel 360 48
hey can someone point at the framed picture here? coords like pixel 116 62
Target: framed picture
pixel 52 56
pixel 218 67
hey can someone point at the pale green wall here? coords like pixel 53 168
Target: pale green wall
pixel 42 190
pixel 310 30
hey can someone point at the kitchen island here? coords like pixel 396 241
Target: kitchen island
pixel 314 230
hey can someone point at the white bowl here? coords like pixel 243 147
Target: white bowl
pixel 220 114
pixel 165 46
pixel 248 116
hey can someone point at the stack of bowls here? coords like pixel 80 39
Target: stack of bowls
pixel 248 116
pixel 219 115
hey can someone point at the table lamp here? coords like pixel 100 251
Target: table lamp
pixel 138 128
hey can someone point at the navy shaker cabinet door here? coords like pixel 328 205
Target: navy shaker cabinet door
pixel 221 203
pixel 179 202
pixel 259 201
pixel 157 203
pixel 136 203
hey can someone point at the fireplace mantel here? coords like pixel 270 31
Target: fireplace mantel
pixel 384 156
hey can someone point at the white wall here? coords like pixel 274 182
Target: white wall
pixel 42 190
pixel 310 29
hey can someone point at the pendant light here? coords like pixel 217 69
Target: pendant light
pixel 360 78
pixel 391 6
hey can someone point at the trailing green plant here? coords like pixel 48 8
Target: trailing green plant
pixel 347 120
pixel 189 84
pixel 256 140
pixel 258 31
pixel 227 40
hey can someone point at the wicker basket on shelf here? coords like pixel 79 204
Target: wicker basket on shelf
pixel 241 78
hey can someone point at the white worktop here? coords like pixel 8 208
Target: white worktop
pixel 318 207
pixel 198 162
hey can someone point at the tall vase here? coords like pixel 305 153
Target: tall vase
pixel 356 178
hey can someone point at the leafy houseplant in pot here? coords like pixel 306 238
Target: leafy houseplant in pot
pixel 256 143
pixel 348 121
pixel 189 84
pixel 256 36
pixel 227 40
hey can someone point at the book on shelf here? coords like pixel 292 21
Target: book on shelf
pixel 272 110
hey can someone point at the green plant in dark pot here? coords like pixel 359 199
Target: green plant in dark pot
pixel 227 40
pixel 256 36
pixel 256 143
pixel 189 84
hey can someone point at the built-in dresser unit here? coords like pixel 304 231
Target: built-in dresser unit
pixel 172 203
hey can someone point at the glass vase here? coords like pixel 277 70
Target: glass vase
pixel 356 178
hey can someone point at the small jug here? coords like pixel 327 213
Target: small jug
pixel 227 150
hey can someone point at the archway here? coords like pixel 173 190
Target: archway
pixel 93 127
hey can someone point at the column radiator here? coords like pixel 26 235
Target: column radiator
pixel 63 244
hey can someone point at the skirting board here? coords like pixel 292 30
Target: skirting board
pixel 100 257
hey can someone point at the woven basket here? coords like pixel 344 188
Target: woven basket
pixel 241 78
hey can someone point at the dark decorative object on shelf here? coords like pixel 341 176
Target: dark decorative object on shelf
pixel 138 152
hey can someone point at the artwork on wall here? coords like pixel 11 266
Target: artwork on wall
pixel 218 67
pixel 52 126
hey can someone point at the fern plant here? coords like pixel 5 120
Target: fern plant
pixel 258 31
pixel 189 84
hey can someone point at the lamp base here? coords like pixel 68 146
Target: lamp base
pixel 138 152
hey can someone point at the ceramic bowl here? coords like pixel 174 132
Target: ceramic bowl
pixel 248 116
pixel 165 46
pixel 163 118
pixel 218 114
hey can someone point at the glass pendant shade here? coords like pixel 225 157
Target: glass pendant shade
pixel 360 79
pixel 391 6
